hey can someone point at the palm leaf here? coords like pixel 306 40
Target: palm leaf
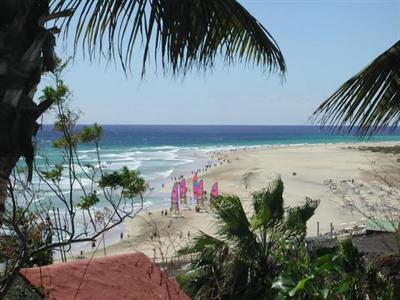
pixel 370 100
pixel 297 217
pixel 202 242
pixel 268 204
pixel 184 34
pixel 232 221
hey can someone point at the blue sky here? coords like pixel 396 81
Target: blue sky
pixel 323 42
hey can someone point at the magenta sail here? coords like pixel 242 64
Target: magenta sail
pixel 174 198
pixel 182 191
pixel 213 193
pixel 195 186
pixel 214 190
pixel 200 194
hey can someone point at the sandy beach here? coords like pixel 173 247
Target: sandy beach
pixel 349 183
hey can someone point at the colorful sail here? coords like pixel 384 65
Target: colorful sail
pixel 200 194
pixel 213 193
pixel 214 190
pixel 174 198
pixel 195 186
pixel 182 191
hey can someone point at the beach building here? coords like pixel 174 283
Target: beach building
pixel 127 276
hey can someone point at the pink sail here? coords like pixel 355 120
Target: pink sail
pixel 200 194
pixel 214 190
pixel 213 193
pixel 195 186
pixel 182 191
pixel 174 198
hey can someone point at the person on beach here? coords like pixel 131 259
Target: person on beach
pixel 166 212
pixel 121 235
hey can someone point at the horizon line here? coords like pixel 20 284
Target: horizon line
pixel 155 124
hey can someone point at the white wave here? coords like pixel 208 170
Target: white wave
pixel 159 175
pixel 65 184
pixel 173 148
pixel 185 161
pixel 116 155
pixel 118 165
pixel 38 199
pixel 87 151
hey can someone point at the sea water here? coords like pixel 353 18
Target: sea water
pixel 161 151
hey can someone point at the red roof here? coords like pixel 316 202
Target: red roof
pixel 126 276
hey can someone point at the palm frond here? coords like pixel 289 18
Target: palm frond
pixel 202 242
pixel 297 217
pixel 184 34
pixel 370 100
pixel 232 221
pixel 268 203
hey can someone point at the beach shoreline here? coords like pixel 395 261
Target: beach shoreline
pixel 336 174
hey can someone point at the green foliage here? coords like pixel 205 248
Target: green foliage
pixel 185 34
pixel 238 261
pixel 65 123
pixel 63 143
pixel 88 201
pixel 297 217
pixel 369 100
pixel 42 258
pixel 203 281
pixel 65 120
pixel 268 203
pixel 91 133
pixel 266 258
pixel 342 274
pixel 188 282
pixel 37 234
pixel 53 174
pixel 55 94
pixel 59 93
pixel 130 181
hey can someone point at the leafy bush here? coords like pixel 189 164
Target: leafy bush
pixel 343 274
pixel 265 256
pixel 239 262
pixel 130 181
pixel 88 201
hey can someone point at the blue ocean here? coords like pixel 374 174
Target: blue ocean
pixel 185 136
pixel 160 151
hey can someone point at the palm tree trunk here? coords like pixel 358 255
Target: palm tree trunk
pixel 26 51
